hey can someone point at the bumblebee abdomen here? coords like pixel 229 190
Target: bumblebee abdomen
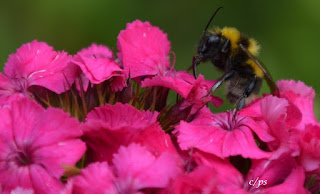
pixel 237 85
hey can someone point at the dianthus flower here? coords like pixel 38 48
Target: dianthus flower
pixel 35 143
pixel 222 135
pixel 133 169
pixel 36 64
pixel 112 126
pixel 98 64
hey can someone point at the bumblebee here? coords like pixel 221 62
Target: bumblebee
pixel 234 54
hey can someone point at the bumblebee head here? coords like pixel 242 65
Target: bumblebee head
pixel 208 46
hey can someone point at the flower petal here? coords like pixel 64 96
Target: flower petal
pixel 96 178
pixel 112 126
pixel 36 63
pixel 143 49
pixel 137 168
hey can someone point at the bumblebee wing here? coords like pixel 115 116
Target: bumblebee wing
pixel 267 76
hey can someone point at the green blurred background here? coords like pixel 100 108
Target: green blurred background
pixel 288 31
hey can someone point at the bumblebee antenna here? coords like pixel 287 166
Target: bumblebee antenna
pixel 205 30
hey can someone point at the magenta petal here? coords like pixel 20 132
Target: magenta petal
pixel 178 85
pixel 118 83
pixel 98 70
pixel 262 133
pixel 273 107
pixel 47 133
pixel 42 182
pixel 36 63
pixel 112 126
pixel 95 51
pixel 19 190
pixel 97 63
pixel 54 157
pixel 201 180
pixel 298 88
pixel 143 49
pixel 96 178
pixel 281 174
pixel 294 183
pixel 155 140
pixel 310 146
pixel 12 177
pixel 137 168
pixel 300 96
pixel 7 87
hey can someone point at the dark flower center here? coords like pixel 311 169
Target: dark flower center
pixel 229 122
pixel 23 158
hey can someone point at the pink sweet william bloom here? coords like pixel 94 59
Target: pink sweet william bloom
pixel 37 64
pixel 134 168
pixel 143 49
pixel 95 178
pixel 284 118
pixel 279 118
pixel 35 143
pixel 301 96
pixel 211 175
pixel 222 136
pixel 282 175
pixel 201 180
pixel 310 146
pixel 107 127
pixel 98 64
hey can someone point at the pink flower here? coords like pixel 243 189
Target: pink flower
pixel 282 175
pixel 301 96
pixel 203 179
pixel 35 143
pixel 284 118
pixel 134 168
pixel 281 117
pixel 211 175
pixel 108 127
pixel 96 178
pixel 37 64
pixel 143 49
pixel 310 145
pixel 98 64
pixel 222 136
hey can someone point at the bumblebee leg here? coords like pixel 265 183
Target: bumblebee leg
pixel 245 95
pixel 226 76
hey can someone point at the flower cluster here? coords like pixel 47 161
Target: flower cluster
pixel 97 122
